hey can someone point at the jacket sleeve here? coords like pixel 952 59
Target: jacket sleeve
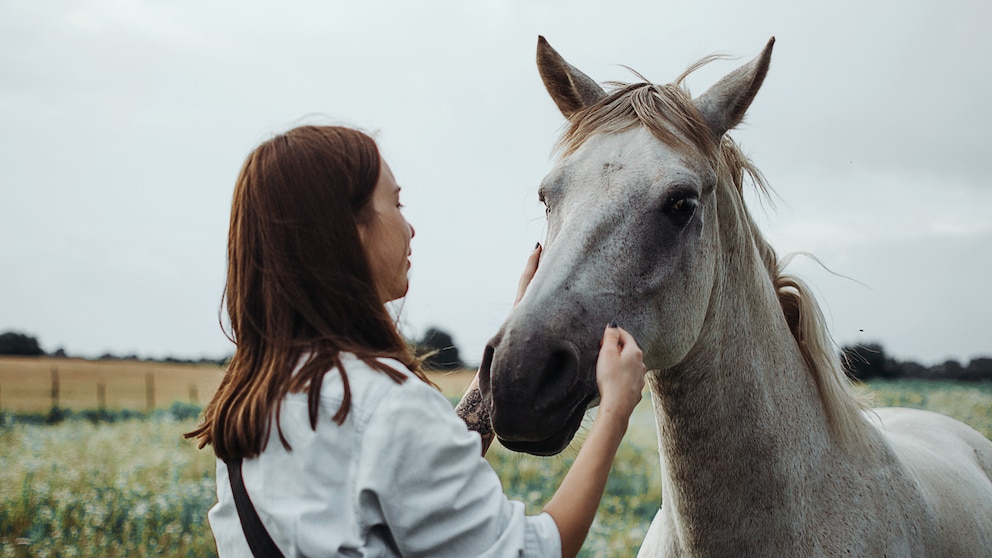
pixel 421 477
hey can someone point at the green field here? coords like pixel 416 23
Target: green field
pixel 136 488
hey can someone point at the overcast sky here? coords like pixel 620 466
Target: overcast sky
pixel 123 126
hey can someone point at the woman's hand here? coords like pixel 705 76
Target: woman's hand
pixel 619 372
pixel 471 408
pixel 620 377
pixel 530 268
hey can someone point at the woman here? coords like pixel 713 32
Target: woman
pixel 343 445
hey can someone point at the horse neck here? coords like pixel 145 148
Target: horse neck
pixel 739 420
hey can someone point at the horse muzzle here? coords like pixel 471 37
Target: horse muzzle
pixel 539 388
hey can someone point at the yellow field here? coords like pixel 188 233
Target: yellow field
pixel 26 383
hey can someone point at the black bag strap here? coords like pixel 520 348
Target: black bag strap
pixel 259 541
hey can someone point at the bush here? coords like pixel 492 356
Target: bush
pixel 979 369
pixel 184 411
pixel 13 343
pixel 866 362
pixel 57 415
pixel 96 416
pixel 440 350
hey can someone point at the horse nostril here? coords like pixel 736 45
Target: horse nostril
pixel 558 375
pixel 485 370
pixel 533 387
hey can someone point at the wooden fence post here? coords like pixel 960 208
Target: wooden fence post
pixel 101 394
pixel 55 387
pixel 149 391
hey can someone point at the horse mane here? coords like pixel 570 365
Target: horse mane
pixel 668 112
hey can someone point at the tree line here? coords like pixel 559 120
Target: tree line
pixel 869 362
pixel 14 343
pixel 436 348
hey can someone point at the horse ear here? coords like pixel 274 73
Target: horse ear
pixel 724 104
pixel 570 89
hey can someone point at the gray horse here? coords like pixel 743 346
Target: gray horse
pixel 765 451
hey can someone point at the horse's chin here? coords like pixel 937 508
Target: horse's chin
pixel 557 442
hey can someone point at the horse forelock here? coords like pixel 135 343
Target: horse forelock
pixel 666 110
pixel 669 113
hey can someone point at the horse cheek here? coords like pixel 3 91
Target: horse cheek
pixel 678 308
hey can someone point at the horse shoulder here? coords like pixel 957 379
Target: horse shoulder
pixel 950 465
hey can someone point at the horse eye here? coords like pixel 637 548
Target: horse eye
pixel 681 208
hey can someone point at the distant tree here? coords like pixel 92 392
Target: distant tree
pixel 442 354
pixel 949 370
pixel 979 369
pixel 914 370
pixel 215 361
pixel 866 362
pixel 14 343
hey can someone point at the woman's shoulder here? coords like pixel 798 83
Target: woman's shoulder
pixel 370 370
pixel 369 384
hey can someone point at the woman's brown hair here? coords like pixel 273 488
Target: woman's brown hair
pixel 299 284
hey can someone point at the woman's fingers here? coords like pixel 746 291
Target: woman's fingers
pixel 620 370
pixel 616 336
pixel 612 333
pixel 629 347
pixel 530 268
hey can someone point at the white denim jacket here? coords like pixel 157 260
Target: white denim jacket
pixel 402 476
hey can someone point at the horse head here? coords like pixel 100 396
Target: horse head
pixel 633 235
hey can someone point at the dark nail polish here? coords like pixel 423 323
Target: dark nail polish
pixel 614 324
pixel 538 245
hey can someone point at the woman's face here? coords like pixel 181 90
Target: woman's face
pixel 386 238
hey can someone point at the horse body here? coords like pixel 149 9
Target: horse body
pixel 764 449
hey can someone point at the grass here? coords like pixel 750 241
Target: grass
pixel 80 489
pixel 970 403
pixel 135 487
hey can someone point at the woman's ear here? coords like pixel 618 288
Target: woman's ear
pixel 363 232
